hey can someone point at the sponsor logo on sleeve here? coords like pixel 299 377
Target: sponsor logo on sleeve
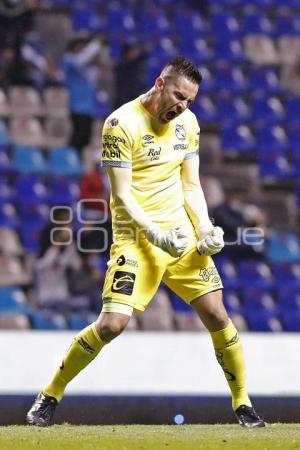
pixel 121 261
pixel 112 123
pixel 123 282
pixel 180 146
pixel 180 132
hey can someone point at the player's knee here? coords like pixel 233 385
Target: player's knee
pixel 108 330
pixel 215 318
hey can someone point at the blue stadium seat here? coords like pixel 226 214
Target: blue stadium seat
pixel 268 110
pixel 227 271
pixel 293 110
pixel 78 321
pixel 197 49
pixel 264 80
pixel 229 50
pixel 31 189
pixel 64 161
pixel 178 304
pixel 275 166
pixel 4 137
pixel 30 236
pixel 64 190
pixel 230 79
pixel 120 19
pixel 46 320
pixel 208 84
pixel 291 321
pixel 12 299
pixel 291 4
pixel 237 139
pixel 7 194
pixel 265 321
pixel 163 49
pixel 232 302
pixel 259 4
pixel 153 22
pixel 257 300
pixel 257 23
pixel 289 298
pixel 6 166
pixel 8 216
pixel 255 274
pixel 283 247
pixel 287 25
pixel 272 139
pixel 34 213
pixel 232 109
pixel 222 4
pixel 205 109
pixel 88 19
pixel 189 24
pixel 29 160
pixel 225 25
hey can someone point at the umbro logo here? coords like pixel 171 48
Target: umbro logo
pixel 148 139
pixel 85 345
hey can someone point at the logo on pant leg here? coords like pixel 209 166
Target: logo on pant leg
pixel 123 282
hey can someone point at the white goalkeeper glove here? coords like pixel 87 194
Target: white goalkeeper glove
pixel 173 241
pixel 212 243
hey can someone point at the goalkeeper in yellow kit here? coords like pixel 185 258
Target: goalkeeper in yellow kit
pixel 162 232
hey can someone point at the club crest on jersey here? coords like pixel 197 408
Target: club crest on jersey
pixel 180 132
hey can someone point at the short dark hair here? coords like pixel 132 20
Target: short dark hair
pixel 186 68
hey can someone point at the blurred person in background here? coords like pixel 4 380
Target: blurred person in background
pixel 81 77
pixel 162 232
pixel 130 74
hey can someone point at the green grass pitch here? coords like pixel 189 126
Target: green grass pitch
pixel 146 437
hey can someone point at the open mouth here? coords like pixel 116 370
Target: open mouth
pixel 170 115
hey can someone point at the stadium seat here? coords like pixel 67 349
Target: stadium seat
pixel 291 321
pixel 232 301
pixel 88 19
pixel 229 50
pixel 237 139
pixel 208 84
pixel 267 110
pixel 25 101
pixel 198 50
pixel 14 321
pixel 159 314
pixel 265 80
pixel 275 166
pixel 30 237
pixel 8 216
pixel 287 24
pixel 10 242
pixel 225 25
pixel 189 24
pixel 263 322
pixel 78 321
pixel 4 104
pixel 27 131
pixel 258 300
pixel 31 189
pixel 56 102
pixel 64 161
pixel 120 19
pixel 47 320
pixel 289 298
pixel 232 109
pixel 227 271
pixel 255 274
pixel 205 109
pixel 57 131
pixel 6 166
pixel 283 247
pixel 7 194
pixel 257 23
pixel 153 22
pixel 293 110
pixel 64 190
pixel 272 139
pixel 163 49
pixel 13 300
pixel 4 137
pixel 29 160
pixel 34 213
pixel 230 79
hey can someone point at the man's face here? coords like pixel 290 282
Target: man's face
pixel 176 95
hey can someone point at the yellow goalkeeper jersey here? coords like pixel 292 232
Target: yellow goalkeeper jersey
pixel 132 138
